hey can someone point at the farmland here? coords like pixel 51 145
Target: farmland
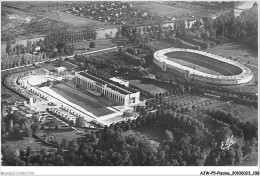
pixel 75 21
pixel 179 9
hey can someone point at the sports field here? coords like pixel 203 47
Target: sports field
pixel 84 101
pixel 194 66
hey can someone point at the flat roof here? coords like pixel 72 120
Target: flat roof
pixel 111 84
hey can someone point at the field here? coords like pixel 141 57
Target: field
pixel 245 113
pixel 179 9
pixel 158 45
pixel 47 18
pixel 23 143
pixel 146 86
pixel 100 44
pixel 88 103
pixel 14 97
pixel 75 21
pixel 193 65
pixel 244 55
pixel 208 122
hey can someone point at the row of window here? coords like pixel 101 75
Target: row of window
pixel 108 94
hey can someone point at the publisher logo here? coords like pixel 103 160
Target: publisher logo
pixel 226 144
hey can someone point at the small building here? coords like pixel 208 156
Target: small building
pixel 60 69
pixel 38 48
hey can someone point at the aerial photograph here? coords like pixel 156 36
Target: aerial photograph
pixel 129 83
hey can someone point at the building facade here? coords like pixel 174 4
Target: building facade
pixel 110 88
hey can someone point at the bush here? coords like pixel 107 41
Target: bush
pixel 92 45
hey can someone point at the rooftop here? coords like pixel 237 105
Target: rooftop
pixel 111 84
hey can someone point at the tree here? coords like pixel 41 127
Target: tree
pixel 54 123
pixel 27 130
pixel 80 122
pixel 247 150
pixel 10 156
pixel 92 45
pixel 169 136
pixel 73 146
pixel 43 151
pixel 35 128
pixel 28 151
pixel 16 129
pixel 64 143
pixel 59 160
pixel 8 48
pixel 3 128
pixel 223 134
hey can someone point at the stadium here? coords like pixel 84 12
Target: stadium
pixel 202 66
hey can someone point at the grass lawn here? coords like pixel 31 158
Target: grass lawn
pixel 149 135
pixel 100 44
pixel 245 113
pixel 88 103
pixel 69 134
pixel 14 97
pixel 251 160
pixel 146 86
pixel 236 51
pixel 158 45
pixel 191 64
pixel 243 54
pixel 25 142
pixel 209 123
pixel 164 10
pixel 74 20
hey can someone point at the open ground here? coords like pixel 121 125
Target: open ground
pixel 83 100
pixel 244 55
pixel 178 9
pixel 192 65
pixel 75 21
pixel 81 47
pixel 147 86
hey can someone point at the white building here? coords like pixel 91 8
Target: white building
pixel 109 88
